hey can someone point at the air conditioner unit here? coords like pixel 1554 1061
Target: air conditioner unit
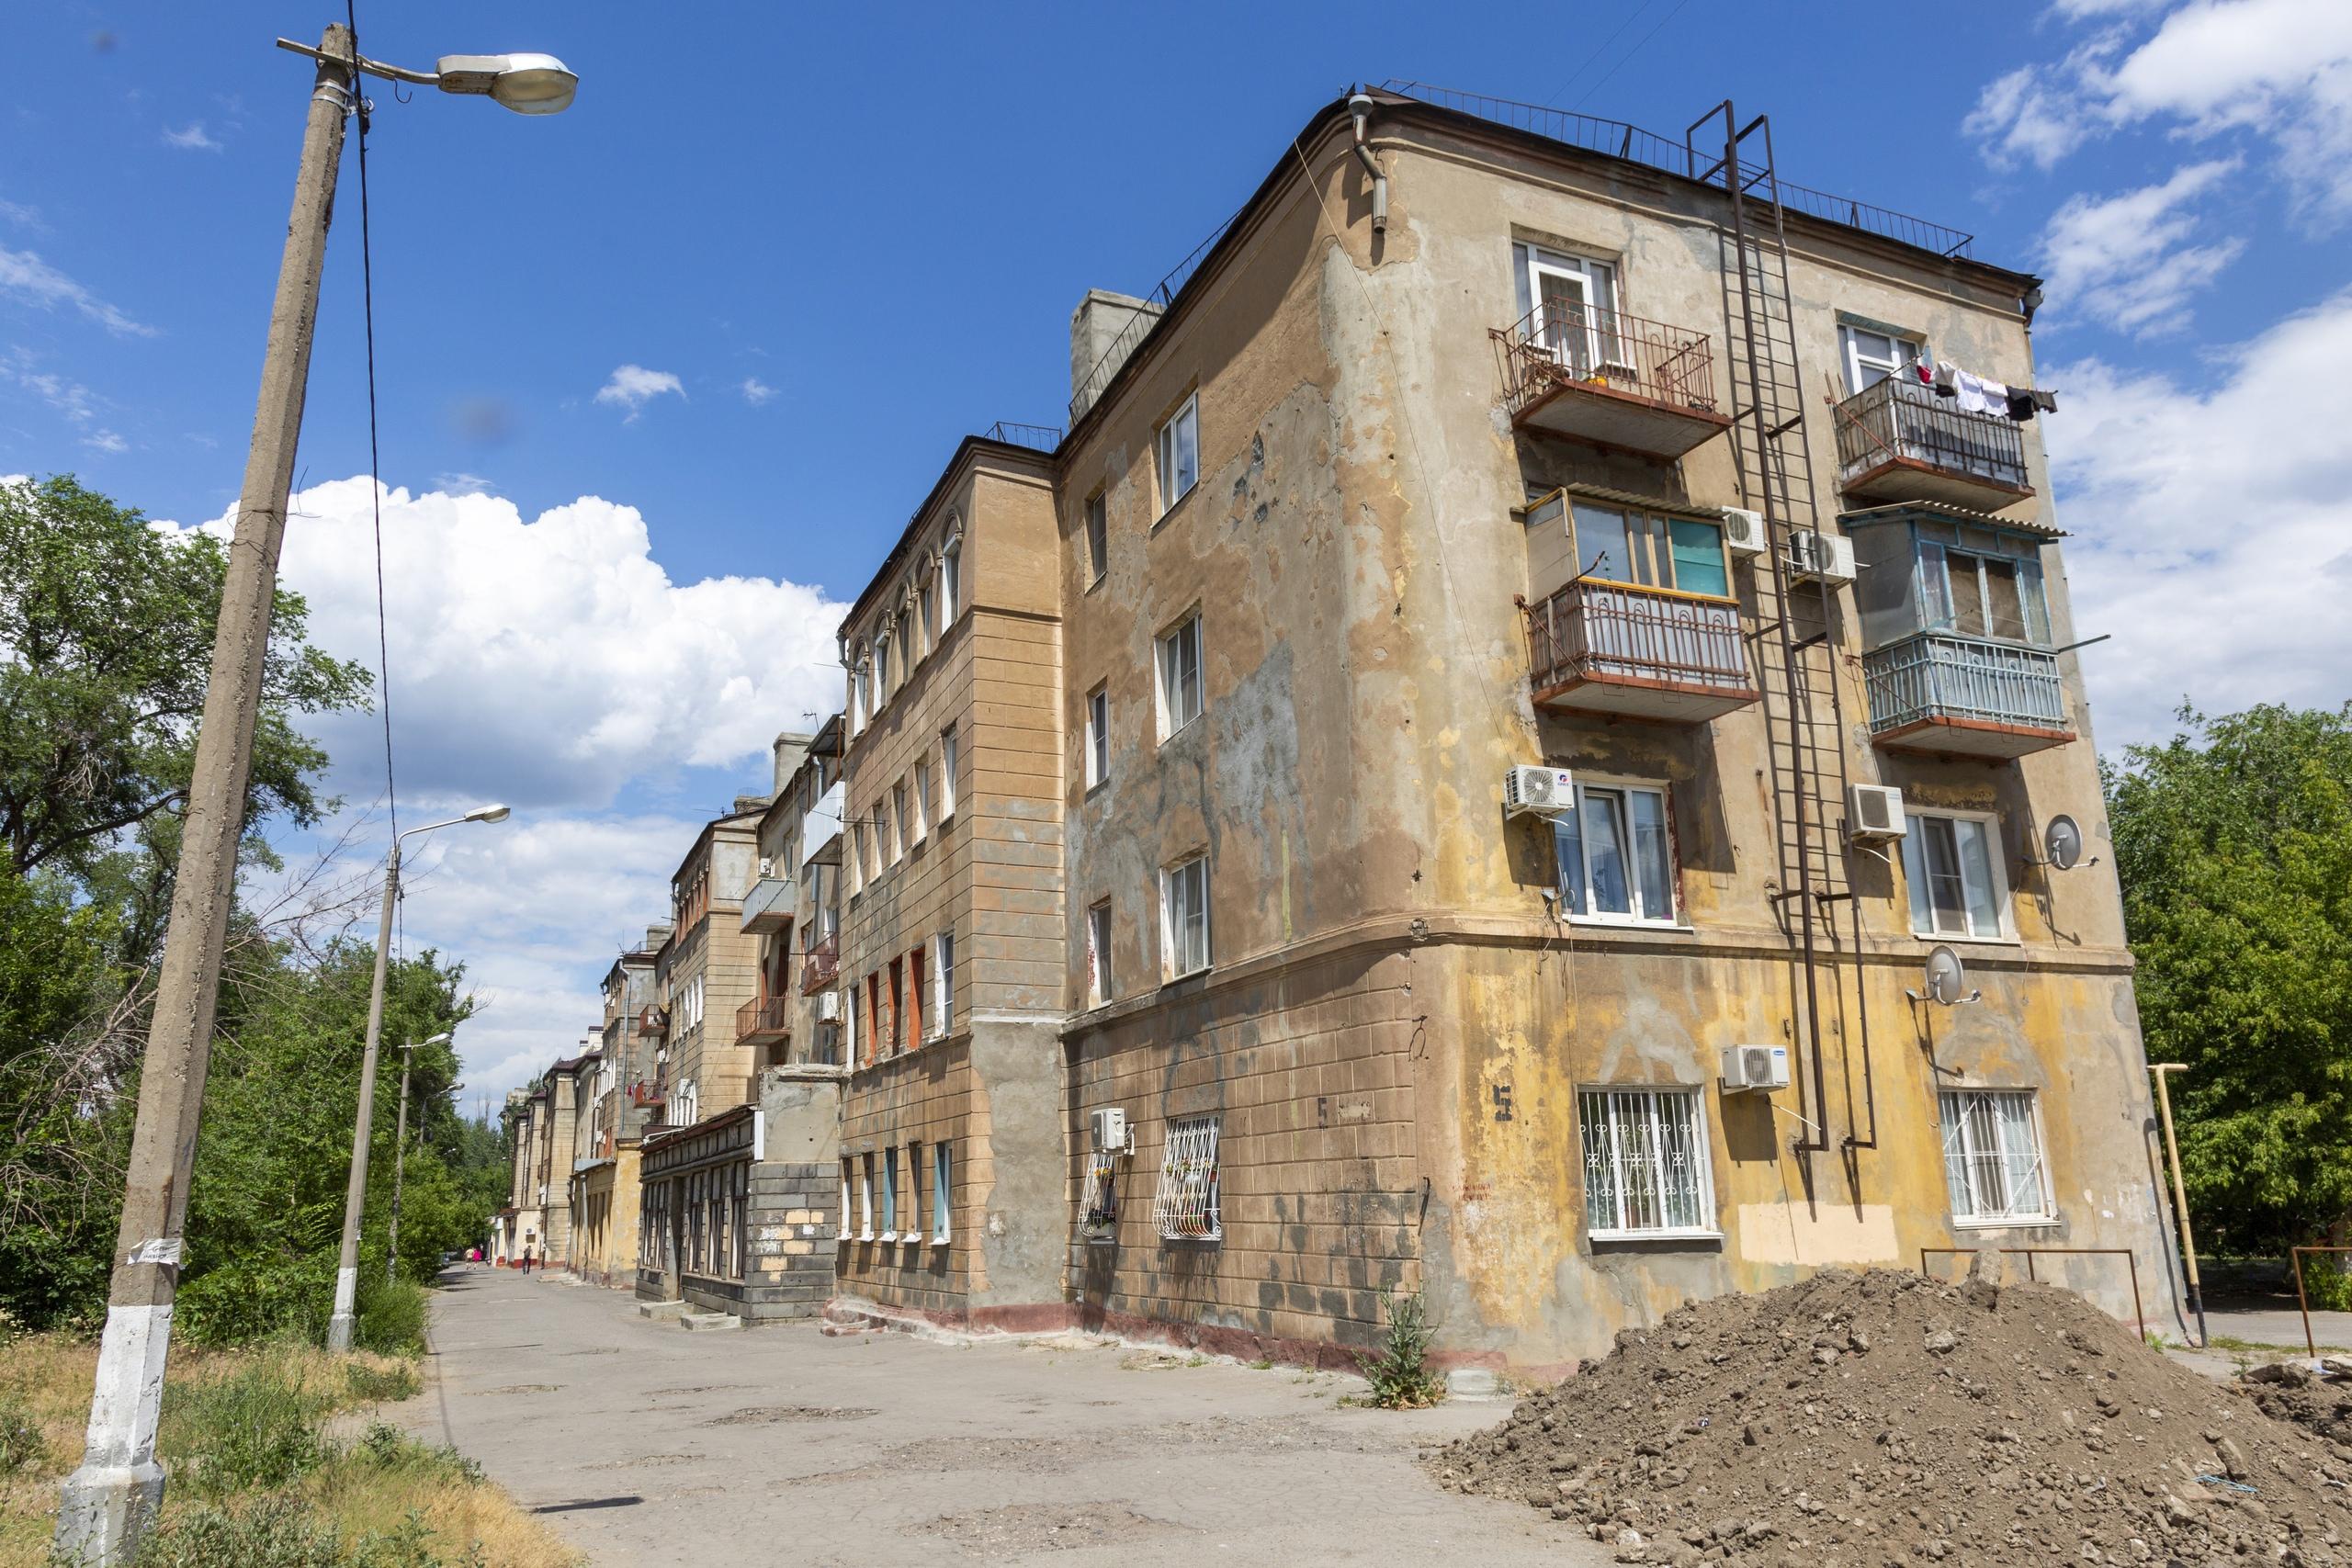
pixel 1755 1068
pixel 1816 557
pixel 1538 792
pixel 829 1007
pixel 767 865
pixel 1743 531
pixel 1107 1132
pixel 1873 813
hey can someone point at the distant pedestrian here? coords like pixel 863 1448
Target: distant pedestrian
pixel 526 1262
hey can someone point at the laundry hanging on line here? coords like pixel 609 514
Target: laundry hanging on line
pixel 1976 394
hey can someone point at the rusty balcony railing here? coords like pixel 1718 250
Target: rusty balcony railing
pixel 824 966
pixel 1562 343
pixel 1620 648
pixel 1899 441
pixel 1939 692
pixel 763 1018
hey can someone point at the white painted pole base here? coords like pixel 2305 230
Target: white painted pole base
pixel 347 1290
pixel 104 1506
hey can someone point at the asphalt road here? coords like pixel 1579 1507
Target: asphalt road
pixel 644 1444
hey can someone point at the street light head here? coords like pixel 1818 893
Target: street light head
pixel 488 814
pixel 440 1038
pixel 527 83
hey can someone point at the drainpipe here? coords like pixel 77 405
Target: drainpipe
pixel 1360 105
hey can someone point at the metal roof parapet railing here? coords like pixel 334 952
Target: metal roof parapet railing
pixel 1158 299
pixel 1013 432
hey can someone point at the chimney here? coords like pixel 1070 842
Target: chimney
pixel 791 750
pixel 1103 331
pixel 745 803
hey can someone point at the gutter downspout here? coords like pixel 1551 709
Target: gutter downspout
pixel 1360 107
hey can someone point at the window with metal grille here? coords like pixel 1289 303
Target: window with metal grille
pixel 1993 1161
pixel 1185 1207
pixel 1646 1163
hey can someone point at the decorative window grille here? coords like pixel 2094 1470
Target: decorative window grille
pixel 1646 1164
pixel 1100 1220
pixel 1186 1208
pixel 1993 1161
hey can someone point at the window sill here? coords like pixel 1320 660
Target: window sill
pixel 1610 924
pixel 865 1235
pixel 1179 979
pixel 1099 581
pixel 1176 734
pixel 1218 1240
pixel 1942 939
pixel 1689 1235
pixel 1175 507
pixel 1097 788
pixel 2044 1223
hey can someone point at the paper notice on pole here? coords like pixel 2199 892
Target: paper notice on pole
pixel 164 1250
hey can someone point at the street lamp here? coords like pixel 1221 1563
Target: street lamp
pixel 354 1195
pixel 527 83
pixel 399 1140
pixel 106 1503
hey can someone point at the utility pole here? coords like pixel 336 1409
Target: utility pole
pixel 2180 1197
pixel 355 1192
pixel 400 1169
pixel 106 1503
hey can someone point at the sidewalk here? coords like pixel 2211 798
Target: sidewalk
pixel 646 1445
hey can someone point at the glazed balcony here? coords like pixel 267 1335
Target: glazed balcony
pixel 1936 692
pixel 764 1021
pixel 767 907
pixel 1897 441
pixel 1614 648
pixel 1605 377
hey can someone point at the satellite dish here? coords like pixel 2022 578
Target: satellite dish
pixel 2061 844
pixel 1948 978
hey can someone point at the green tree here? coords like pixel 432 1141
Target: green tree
pixel 2233 841
pixel 107 625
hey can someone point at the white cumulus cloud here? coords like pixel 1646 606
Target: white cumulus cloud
pixel 23 275
pixel 2127 260
pixel 631 387
pixel 190 137
pixel 2214 527
pixel 755 391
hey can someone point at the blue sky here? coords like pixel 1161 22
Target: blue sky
pixel 798 252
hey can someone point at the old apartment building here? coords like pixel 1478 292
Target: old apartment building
pixel 1520 747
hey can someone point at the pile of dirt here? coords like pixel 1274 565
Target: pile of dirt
pixel 2290 1391
pixel 1882 1418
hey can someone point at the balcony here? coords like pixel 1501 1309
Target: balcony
pixel 764 1021
pixel 824 965
pixel 653 1021
pixel 1614 648
pixel 767 907
pixel 1935 692
pixel 1897 441
pixel 644 1093
pixel 1605 377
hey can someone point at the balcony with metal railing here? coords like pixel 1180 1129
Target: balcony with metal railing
pixel 823 966
pixel 767 907
pixel 1940 693
pixel 1898 441
pixel 765 1021
pixel 1606 377
pixel 1619 648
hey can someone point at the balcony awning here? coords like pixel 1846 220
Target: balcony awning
pixel 1895 512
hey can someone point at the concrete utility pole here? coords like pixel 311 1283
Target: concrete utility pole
pixel 2180 1197
pixel 107 1502
pixel 400 1169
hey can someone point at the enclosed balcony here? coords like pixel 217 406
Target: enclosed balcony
pixel 1605 377
pixel 1642 622
pixel 1897 441
pixel 1956 631
pixel 767 1020
pixel 767 907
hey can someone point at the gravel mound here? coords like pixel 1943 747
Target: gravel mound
pixel 1882 1418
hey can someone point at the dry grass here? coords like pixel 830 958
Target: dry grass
pixel 366 1487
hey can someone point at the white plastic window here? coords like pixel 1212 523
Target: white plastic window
pixel 1952 865
pixel 1180 677
pixel 1993 1161
pixel 1098 538
pixel 1870 357
pixel 1615 855
pixel 1647 1171
pixel 1097 735
pixel 1185 1206
pixel 1098 953
pixel 1179 453
pixel 947 772
pixel 1184 917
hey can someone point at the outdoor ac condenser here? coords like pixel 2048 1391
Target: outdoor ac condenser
pixel 1743 531
pixel 1107 1132
pixel 1538 792
pixel 829 1007
pixel 1817 557
pixel 1755 1068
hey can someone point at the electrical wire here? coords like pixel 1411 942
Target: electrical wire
pixel 1633 51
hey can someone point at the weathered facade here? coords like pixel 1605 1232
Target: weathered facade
pixel 605 1176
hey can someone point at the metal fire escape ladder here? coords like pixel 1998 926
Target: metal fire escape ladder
pixel 1798 643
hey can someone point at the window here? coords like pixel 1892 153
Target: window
pixel 1954 871
pixel 914 1231
pixel 1185 1206
pixel 947 772
pixel 922 800
pixel 1684 554
pixel 1570 302
pixel 1871 356
pixel 915 1036
pixel 1180 676
pixel 1097 735
pixel 1993 1157
pixel 940 1170
pixel 862 697
pixel 897 1002
pixel 1983 595
pixel 882 669
pixel 1098 953
pixel 890 1195
pixel 849 1014
pixel 930 600
pixel 943 1001
pixel 1098 538
pixel 901 819
pixel 951 577
pixel 906 643
pixel 865 1198
pixel 1646 1164
pixel 873 1016
pixel 1616 855
pixel 1179 455
pixel 1184 917
pixel 740 1203
pixel 844 1232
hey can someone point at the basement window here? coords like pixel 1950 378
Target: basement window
pixel 1993 1161
pixel 1647 1171
pixel 1185 1207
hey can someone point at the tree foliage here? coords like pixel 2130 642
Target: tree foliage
pixel 107 625
pixel 2235 845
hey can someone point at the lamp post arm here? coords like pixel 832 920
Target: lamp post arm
pixel 372 67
